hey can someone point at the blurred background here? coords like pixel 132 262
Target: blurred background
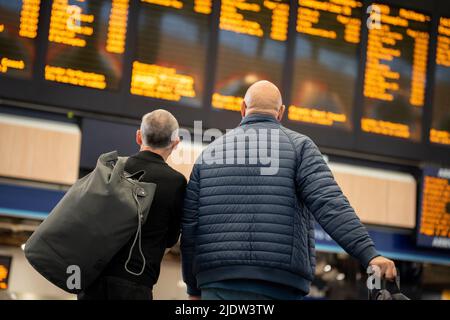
pixel 369 82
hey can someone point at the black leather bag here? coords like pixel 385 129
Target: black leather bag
pixel 97 216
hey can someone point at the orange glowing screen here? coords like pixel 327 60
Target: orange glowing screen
pixel 440 126
pixel 395 72
pixel 18 31
pixel 171 50
pixel 5 264
pixel 86 42
pixel 252 47
pixel 326 62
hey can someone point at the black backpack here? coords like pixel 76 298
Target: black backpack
pixel 97 216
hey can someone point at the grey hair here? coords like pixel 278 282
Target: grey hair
pixel 158 128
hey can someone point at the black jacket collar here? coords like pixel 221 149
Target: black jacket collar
pixel 149 156
pixel 258 117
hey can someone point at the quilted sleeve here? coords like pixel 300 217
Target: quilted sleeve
pixel 324 199
pixel 189 223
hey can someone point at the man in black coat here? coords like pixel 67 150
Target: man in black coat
pixel 157 138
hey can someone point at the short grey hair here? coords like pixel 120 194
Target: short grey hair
pixel 158 128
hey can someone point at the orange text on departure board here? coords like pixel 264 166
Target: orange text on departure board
pixel 151 80
pixel 443 43
pixel 224 102
pixel 442 60
pixel 310 115
pixel 232 18
pixel 380 80
pixel 313 19
pixel 29 17
pixel 200 6
pixel 75 77
pixel 68 24
pixel 384 46
pixel 3 277
pixel 386 128
pixel 310 11
pixel 117 26
pixel 7 64
pixel 435 221
pixel 440 136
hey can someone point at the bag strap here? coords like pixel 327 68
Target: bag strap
pixel 138 236
pixel 118 171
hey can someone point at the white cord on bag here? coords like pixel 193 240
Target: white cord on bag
pixel 136 237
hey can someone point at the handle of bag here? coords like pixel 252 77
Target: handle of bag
pixel 384 284
pixel 118 170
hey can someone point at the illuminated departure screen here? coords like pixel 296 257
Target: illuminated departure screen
pixel 326 62
pixel 252 47
pixel 86 42
pixel 171 53
pixel 395 72
pixel 5 264
pixel 440 126
pixel 434 217
pixel 18 29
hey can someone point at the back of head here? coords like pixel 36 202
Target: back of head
pixel 263 97
pixel 158 129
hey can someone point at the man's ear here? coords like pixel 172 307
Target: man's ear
pixel 281 112
pixel 175 143
pixel 139 137
pixel 243 108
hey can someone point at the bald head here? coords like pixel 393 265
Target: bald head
pixel 157 128
pixel 263 96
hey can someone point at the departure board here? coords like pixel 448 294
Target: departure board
pixel 395 72
pixel 440 126
pixel 170 62
pixel 326 62
pixel 353 73
pixel 434 216
pixel 87 42
pixel 5 265
pixel 18 31
pixel 252 47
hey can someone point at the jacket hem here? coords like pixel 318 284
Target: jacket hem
pixel 255 273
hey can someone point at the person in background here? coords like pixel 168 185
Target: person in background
pixel 162 228
pixel 246 235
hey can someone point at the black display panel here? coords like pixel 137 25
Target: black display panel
pixel 440 125
pixel 86 42
pixel 327 39
pixel 171 50
pixel 395 72
pixel 251 47
pixel 18 31
pixel 433 225
pixel 196 58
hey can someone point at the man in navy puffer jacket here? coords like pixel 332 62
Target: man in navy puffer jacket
pixel 250 206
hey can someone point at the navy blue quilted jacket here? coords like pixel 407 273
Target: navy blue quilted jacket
pixel 241 224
